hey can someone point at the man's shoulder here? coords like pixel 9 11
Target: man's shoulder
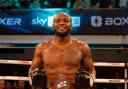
pixel 80 43
pixel 42 44
pixel 83 46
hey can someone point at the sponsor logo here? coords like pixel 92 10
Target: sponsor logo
pixel 116 21
pixel 10 21
pixel 40 21
pixel 98 21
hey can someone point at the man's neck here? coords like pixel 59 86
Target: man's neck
pixel 62 40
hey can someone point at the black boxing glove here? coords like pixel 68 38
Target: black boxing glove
pixel 82 80
pixel 39 78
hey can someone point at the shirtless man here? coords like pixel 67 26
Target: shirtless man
pixel 61 56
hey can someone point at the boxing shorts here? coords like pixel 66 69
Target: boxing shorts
pixel 39 79
pixel 82 80
pixel 60 83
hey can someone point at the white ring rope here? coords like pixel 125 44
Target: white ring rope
pixel 23 62
pixel 20 62
pixel 13 78
pixel 96 81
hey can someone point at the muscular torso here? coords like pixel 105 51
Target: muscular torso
pixel 65 60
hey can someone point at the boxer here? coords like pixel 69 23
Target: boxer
pixel 61 58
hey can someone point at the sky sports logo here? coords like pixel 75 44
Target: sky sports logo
pixel 98 21
pixel 49 21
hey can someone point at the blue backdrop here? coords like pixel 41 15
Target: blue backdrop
pixel 85 21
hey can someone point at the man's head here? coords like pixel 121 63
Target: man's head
pixel 62 24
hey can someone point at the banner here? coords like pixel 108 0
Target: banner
pixel 85 21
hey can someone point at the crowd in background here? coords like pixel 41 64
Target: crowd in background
pixel 102 73
pixel 17 84
pixel 38 4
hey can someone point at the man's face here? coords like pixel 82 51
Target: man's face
pixel 62 24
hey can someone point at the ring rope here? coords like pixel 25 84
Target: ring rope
pixel 96 81
pixel 23 62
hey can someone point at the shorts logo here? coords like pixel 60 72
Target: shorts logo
pixel 96 21
pixel 61 82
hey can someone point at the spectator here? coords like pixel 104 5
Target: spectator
pixel 6 4
pixel 15 4
pixel 72 3
pixel 104 3
pixel 14 84
pixel 88 3
pixel 68 5
pixel 45 4
pixel 8 85
pixel 2 84
pixel 21 84
pixel 35 4
pixel 79 4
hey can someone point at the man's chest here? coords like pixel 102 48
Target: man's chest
pixel 68 56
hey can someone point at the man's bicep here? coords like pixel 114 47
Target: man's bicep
pixel 37 59
pixel 36 62
pixel 89 65
pixel 88 62
pixel 87 58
